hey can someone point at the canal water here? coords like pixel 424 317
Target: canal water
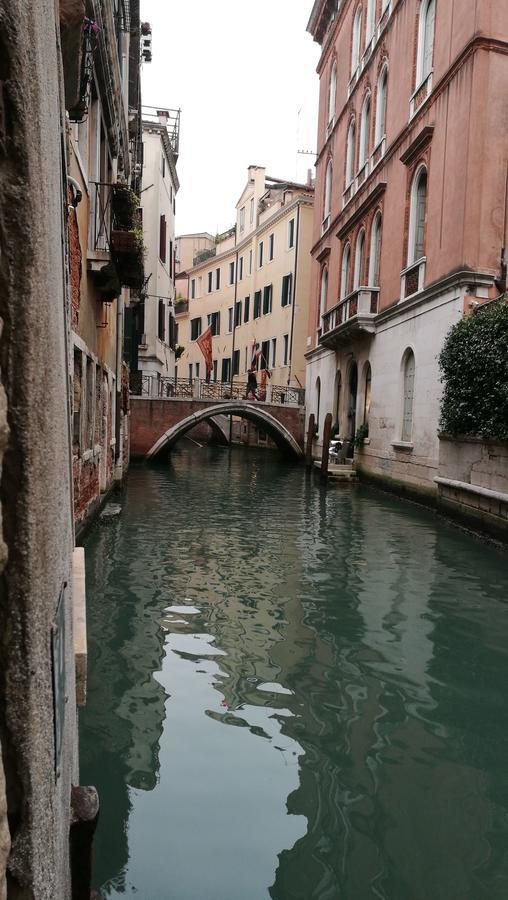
pixel 293 694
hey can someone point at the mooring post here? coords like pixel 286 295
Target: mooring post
pixel 310 437
pixel 84 815
pixel 327 433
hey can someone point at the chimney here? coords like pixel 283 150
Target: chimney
pixel 163 116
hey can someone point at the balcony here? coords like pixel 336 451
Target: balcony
pixel 412 279
pixel 115 238
pixel 167 121
pixel 378 152
pixel 351 317
pixel 422 93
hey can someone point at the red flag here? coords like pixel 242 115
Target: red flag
pixel 204 343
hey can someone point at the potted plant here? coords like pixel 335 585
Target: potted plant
pixel 361 434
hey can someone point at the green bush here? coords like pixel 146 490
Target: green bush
pixel 474 367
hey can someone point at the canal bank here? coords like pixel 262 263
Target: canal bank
pixel 293 692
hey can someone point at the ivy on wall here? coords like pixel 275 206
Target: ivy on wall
pixel 474 367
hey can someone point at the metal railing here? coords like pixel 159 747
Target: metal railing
pixel 364 301
pixel 159 388
pixel 100 216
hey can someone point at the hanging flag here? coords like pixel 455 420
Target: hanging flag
pixel 204 343
pixel 256 353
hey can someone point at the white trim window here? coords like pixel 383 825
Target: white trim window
pixel 382 88
pixel 365 131
pixel 417 216
pixel 332 96
pixel 375 250
pixel 425 40
pixel 408 396
pixel 350 153
pixel 359 259
pixel 345 272
pixel 357 32
pixel 327 197
pixel 323 292
pixel 230 319
pixel 369 25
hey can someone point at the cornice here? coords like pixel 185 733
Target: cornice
pixel 360 210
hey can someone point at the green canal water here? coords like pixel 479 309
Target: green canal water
pixel 293 693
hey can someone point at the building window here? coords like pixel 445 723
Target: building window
pixel 369 25
pixel 267 299
pixel 274 352
pixel 246 309
pixel 251 215
pixel 357 32
pixel 171 259
pixel 231 273
pixel 365 132
pixel 257 305
pixel 271 240
pixel 332 95
pixel 318 400
pixel 359 260
pixel 217 279
pixel 286 290
pixel 323 292
pixel 246 366
pixel 381 105
pixel 265 355
pixel 242 218
pixel 230 319
pixel 163 165
pixel 425 40
pixel 417 216
pixel 161 331
pixel 236 362
pixel 193 288
pixel 213 320
pixel 210 282
pixel 367 393
pixel 214 370
pixel 350 153
pixel 226 369
pixel 260 254
pixel 408 396
pixel 190 371
pixel 240 269
pixel 345 272
pixel 197 370
pixel 285 349
pixel 375 251
pixel 195 327
pixel 328 196
pixel 162 239
pixel 238 313
pixel 291 233
pixel 250 262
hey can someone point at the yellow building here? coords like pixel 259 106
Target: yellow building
pixel 255 289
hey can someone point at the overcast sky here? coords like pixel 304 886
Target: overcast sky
pixel 244 75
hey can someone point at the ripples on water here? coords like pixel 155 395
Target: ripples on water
pixel 293 693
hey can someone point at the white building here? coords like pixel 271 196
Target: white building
pixel 161 128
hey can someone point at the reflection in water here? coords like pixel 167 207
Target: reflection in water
pixel 293 693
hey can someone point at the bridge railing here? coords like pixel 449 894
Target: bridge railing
pixel 159 388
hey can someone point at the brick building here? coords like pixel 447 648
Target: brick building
pixel 409 213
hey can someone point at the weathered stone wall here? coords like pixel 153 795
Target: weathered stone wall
pixel 150 419
pixel 36 473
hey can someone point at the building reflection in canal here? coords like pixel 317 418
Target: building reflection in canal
pixel 331 666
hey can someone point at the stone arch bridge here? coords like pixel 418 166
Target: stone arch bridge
pixel 158 423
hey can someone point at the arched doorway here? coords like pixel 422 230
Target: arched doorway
pixel 353 392
pixel 337 398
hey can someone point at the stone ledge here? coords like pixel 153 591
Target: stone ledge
pixel 472 489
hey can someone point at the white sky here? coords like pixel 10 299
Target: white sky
pixel 240 71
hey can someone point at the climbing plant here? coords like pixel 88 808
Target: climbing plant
pixel 474 372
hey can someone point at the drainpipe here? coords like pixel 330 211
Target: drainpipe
pixel 295 275
pixel 233 347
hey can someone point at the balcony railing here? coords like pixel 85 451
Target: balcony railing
pixel 362 302
pixel 412 278
pixel 100 216
pixel 198 389
pixel 420 95
pixel 378 152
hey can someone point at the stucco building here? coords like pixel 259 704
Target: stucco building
pixel 155 322
pixel 409 215
pixel 189 247
pixel 255 288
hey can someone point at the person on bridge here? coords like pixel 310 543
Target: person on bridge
pixel 252 385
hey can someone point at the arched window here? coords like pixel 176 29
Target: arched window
pixel 318 400
pixel 382 85
pixel 332 96
pixel 359 259
pixel 345 272
pixel 408 395
pixel 357 31
pixel 425 40
pixel 365 132
pixel 328 195
pixel 367 393
pixel 350 153
pixel 323 292
pixel 375 251
pixel 338 388
pixel 369 25
pixel 417 216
